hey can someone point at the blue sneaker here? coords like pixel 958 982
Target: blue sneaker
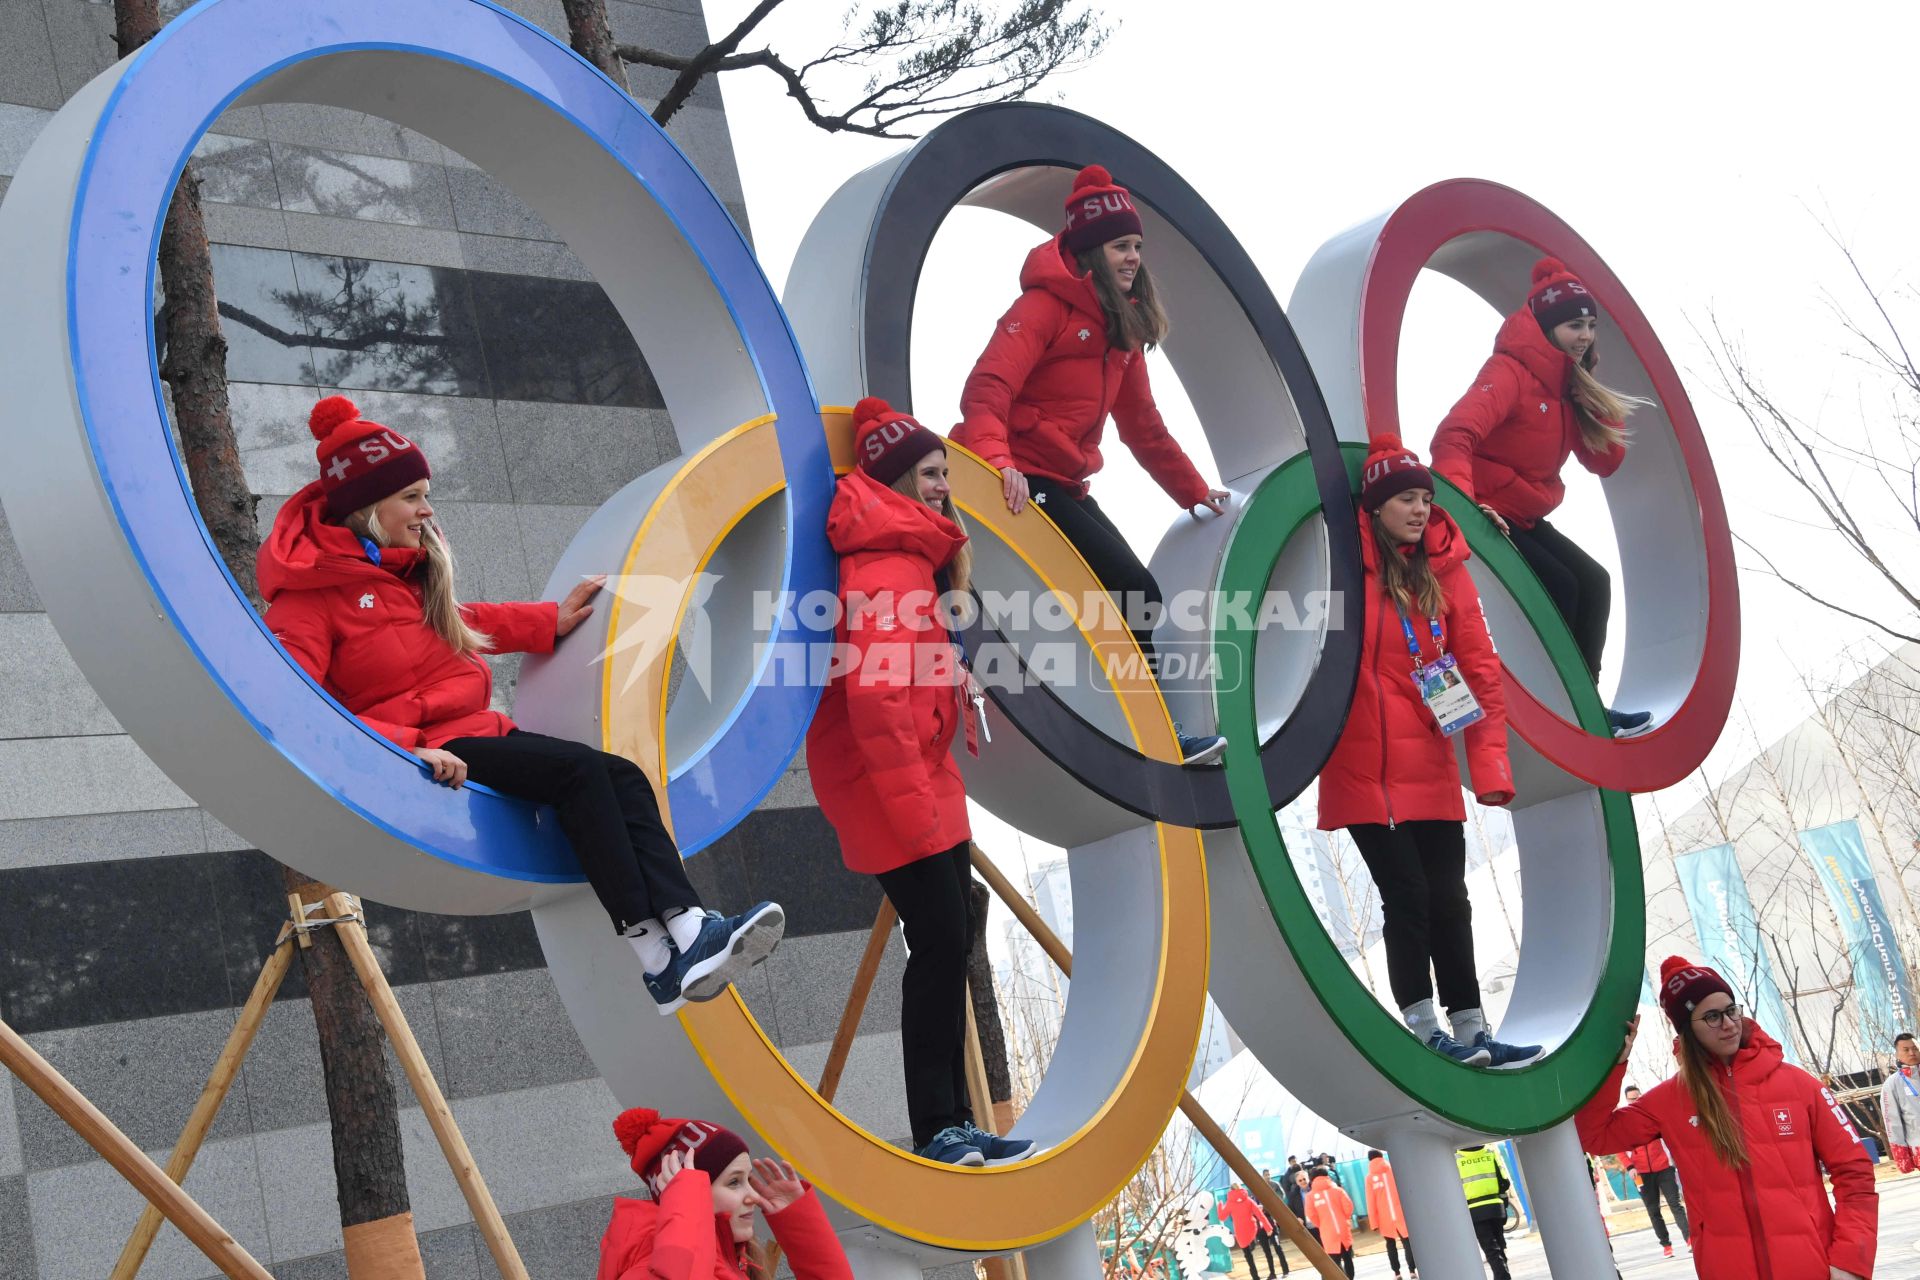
pixel 1506 1055
pixel 664 987
pixel 1629 724
pixel 1446 1046
pixel 996 1149
pixel 952 1146
pixel 727 947
pixel 1203 748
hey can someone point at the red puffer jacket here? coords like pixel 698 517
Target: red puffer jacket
pixel 1392 763
pixel 1248 1219
pixel 1649 1158
pixel 682 1238
pixel 1506 440
pixel 878 748
pixel 358 629
pixel 1771 1219
pixel 1039 395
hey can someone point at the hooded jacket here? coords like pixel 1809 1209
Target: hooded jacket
pixel 1771 1219
pixel 1039 395
pixel 1248 1219
pixel 1648 1158
pixel 1330 1211
pixel 1392 763
pixel 1384 1213
pixel 1506 439
pixel 682 1238
pixel 879 746
pixel 359 630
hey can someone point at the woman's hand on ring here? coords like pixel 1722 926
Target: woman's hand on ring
pixel 574 608
pixel 447 768
pixel 1013 487
pixel 1499 521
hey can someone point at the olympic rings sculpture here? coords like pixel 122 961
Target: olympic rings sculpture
pixel 169 641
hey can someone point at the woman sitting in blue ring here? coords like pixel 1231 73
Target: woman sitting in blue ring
pixel 358 581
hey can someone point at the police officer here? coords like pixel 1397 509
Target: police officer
pixel 1485 1184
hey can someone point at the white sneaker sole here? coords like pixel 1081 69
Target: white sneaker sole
pixel 1209 755
pixel 1634 733
pixel 1033 1149
pixel 755 941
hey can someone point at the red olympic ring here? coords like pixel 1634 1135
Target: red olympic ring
pixel 1408 241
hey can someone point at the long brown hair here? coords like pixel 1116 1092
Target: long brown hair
pixel 960 568
pixel 1135 319
pixel 1601 411
pixel 437 600
pixel 1409 580
pixel 1700 1072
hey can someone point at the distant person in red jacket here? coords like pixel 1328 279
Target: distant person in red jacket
pixel 1652 1168
pixel 879 752
pixel 1385 1215
pixel 1392 781
pixel 1250 1226
pixel 1331 1211
pixel 1750 1133
pixel 1535 403
pixel 1070 351
pixel 699 1223
pixel 358 581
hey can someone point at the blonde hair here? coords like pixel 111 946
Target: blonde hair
pixel 1409 580
pixel 1717 1121
pixel 1135 319
pixel 960 568
pixel 437 601
pixel 1601 411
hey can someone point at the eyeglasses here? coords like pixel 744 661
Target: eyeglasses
pixel 1717 1017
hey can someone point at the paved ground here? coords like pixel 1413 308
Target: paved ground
pixel 1637 1253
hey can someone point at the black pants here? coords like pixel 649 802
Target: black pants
pixel 1493 1242
pixel 1105 551
pixel 1580 588
pixel 1344 1259
pixel 935 909
pixel 1393 1256
pixel 1420 869
pixel 1265 1242
pixel 1652 1187
pixel 607 809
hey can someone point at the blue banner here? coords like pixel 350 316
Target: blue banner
pixel 1879 973
pixel 1730 936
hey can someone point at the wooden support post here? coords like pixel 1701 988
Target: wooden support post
pixel 883 922
pixel 225 1068
pixel 1276 1208
pixel 486 1215
pixel 976 1068
pixel 132 1163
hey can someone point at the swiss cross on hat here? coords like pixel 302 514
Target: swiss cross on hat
pixel 361 462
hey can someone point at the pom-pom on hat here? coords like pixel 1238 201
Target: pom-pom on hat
pixel 646 1136
pixel 888 443
pixel 1098 210
pixel 1557 295
pixel 1683 985
pixel 1391 468
pixel 361 462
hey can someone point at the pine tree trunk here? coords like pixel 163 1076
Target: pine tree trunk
pixel 368 1160
pixel 593 37
pixel 986 1005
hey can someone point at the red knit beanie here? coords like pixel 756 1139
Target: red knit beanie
pixel 1557 296
pixel 646 1136
pixel 360 462
pixel 1098 210
pixel 888 443
pixel 1683 985
pixel 1391 468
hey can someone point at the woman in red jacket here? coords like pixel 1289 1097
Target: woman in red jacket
pixel 1749 1133
pixel 1250 1226
pixel 358 582
pixel 1392 781
pixel 1330 1210
pixel 1534 404
pixel 1071 350
pixel 879 752
pixel 699 1223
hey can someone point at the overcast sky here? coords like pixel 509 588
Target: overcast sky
pixel 1699 149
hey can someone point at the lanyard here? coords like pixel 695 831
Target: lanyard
pixel 1911 1091
pixel 1413 643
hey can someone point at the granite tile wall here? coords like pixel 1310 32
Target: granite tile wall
pixel 356 255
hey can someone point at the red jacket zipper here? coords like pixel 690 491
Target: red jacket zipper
pixel 1749 1196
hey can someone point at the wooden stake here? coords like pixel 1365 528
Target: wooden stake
pixel 1276 1208
pixel 225 1068
pixel 883 922
pixel 976 1068
pixel 486 1215
pixel 132 1163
